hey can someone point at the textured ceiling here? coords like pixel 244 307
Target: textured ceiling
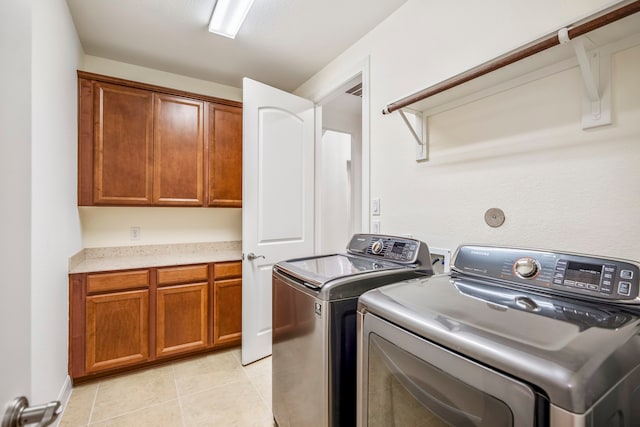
pixel 282 42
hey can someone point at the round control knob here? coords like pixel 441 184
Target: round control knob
pixel 526 267
pixel 377 247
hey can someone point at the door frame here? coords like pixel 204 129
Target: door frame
pixel 361 69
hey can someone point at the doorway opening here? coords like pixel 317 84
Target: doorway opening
pixel 339 168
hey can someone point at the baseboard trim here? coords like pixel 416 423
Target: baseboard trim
pixel 63 398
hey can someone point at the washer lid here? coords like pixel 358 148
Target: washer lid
pixel 317 271
pixel 575 351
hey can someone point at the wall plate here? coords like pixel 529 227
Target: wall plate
pixel 494 217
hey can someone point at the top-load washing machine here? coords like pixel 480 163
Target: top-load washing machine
pixel 314 325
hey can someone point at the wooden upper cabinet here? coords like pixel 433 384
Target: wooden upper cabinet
pixel 225 156
pixel 178 145
pixel 140 144
pixel 122 148
pixel 115 144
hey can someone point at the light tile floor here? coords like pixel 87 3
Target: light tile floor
pixel 210 390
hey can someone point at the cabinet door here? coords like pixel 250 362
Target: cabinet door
pixel 181 319
pixel 178 144
pixel 122 154
pixel 117 331
pixel 227 316
pixel 225 156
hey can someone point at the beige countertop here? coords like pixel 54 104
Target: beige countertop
pixel 127 257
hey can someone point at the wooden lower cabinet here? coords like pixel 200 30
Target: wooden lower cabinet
pixel 128 319
pixel 227 316
pixel 117 330
pixel 182 319
pixel 227 304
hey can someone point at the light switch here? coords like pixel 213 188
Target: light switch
pixel 375 206
pixel 375 226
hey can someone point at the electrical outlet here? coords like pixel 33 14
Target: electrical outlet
pixel 375 226
pixel 134 233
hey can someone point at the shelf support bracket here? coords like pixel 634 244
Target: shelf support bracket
pixel 596 75
pixel 418 130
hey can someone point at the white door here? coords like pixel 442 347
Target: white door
pixel 277 200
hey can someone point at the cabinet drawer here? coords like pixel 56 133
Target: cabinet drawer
pixel 173 275
pixel 107 282
pixel 228 269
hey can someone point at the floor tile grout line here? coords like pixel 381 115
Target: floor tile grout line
pixel 93 404
pixel 212 388
pixel 253 378
pixel 135 410
pixel 255 387
pixel 264 400
pixel 175 382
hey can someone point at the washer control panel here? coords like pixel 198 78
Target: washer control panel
pixel 588 276
pixel 397 249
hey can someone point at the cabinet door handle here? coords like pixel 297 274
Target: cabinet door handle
pixel 251 256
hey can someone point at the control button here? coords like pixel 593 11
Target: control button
pixel 609 269
pixel 605 290
pixel 377 247
pixel 610 276
pixel 569 283
pixel 592 287
pixel 580 285
pixel 526 268
pixel 626 274
pixel 557 281
pixel 624 288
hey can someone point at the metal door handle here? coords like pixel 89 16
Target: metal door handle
pixel 251 256
pixel 20 413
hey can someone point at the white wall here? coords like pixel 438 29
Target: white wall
pixel 110 226
pixel 15 184
pixel 94 64
pixel 102 227
pixel 335 191
pixel 348 118
pixel 40 226
pixel 56 53
pixel 523 151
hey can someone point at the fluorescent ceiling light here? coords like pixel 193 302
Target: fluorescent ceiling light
pixel 228 16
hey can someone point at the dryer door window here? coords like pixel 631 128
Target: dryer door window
pixel 404 390
pixel 411 381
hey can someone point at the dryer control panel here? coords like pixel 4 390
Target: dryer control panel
pixel 391 248
pixel 566 273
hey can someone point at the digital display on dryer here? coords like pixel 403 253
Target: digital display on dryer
pixel 398 248
pixel 581 274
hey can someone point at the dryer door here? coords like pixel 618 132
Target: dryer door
pixel 406 380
